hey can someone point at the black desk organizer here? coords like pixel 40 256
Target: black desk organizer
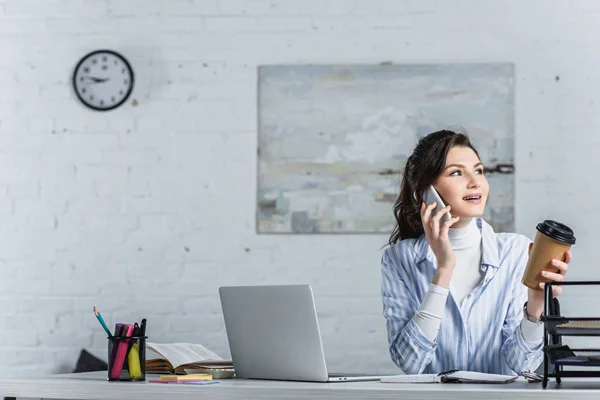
pixel 557 353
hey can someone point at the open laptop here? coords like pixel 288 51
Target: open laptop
pixel 273 333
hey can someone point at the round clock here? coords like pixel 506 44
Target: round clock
pixel 103 80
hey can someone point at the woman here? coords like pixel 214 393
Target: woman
pixel 452 292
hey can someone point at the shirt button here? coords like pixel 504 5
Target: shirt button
pixel 468 296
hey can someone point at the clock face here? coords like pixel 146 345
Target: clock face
pixel 103 80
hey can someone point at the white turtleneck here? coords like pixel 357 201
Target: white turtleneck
pixel 466 243
pixel 468 273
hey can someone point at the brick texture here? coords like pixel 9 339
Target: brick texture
pixel 146 210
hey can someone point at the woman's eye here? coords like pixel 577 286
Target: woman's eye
pixel 455 173
pixel 480 171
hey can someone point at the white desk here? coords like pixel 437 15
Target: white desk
pixel 94 386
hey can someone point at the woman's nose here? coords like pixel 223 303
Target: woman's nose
pixel 474 183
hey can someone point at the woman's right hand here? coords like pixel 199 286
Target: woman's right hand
pixel 437 235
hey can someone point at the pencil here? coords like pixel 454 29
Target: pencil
pixel 97 313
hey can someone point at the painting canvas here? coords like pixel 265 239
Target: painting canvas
pixel 333 139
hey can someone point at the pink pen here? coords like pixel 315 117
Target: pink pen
pixel 117 365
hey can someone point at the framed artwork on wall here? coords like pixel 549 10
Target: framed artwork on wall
pixel 333 139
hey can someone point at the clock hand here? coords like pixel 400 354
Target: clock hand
pixel 96 80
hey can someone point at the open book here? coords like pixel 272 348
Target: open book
pixel 179 357
pixel 450 376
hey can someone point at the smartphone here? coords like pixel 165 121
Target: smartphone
pixel 430 196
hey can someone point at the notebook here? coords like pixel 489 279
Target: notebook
pixel 450 376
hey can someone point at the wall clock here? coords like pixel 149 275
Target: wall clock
pixel 103 80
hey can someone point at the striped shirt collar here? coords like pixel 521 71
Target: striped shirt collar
pixel 489 246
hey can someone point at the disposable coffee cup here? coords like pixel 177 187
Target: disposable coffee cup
pixel 552 240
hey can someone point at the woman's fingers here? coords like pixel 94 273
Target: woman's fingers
pixel 568 256
pixel 425 217
pixel 438 215
pixel 562 266
pixel 426 211
pixel 556 290
pixel 553 276
pixel 446 225
pixel 435 220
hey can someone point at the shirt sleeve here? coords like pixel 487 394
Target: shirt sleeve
pixel 429 315
pixel 410 349
pixel 532 333
pixel 520 354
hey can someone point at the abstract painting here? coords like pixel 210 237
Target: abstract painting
pixel 333 139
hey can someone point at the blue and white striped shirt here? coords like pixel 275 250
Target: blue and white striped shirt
pixel 481 334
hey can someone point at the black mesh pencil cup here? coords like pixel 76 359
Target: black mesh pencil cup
pixel 127 358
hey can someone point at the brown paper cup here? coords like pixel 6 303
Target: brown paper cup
pixel 552 240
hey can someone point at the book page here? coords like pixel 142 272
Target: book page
pixel 183 353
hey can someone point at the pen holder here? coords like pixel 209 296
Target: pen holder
pixel 127 358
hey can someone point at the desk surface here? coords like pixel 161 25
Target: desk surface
pixel 94 386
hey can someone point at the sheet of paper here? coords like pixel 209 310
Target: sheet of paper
pixel 476 377
pixel 411 378
pixel 183 353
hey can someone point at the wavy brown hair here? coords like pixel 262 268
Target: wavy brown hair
pixel 421 169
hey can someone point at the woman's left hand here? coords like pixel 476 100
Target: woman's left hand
pixel 535 298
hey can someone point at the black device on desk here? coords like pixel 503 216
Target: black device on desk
pixel 555 327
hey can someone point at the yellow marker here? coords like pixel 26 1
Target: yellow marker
pixel 206 377
pixel 133 359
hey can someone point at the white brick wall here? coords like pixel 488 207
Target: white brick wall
pixel 146 210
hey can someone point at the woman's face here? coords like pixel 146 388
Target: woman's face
pixel 462 184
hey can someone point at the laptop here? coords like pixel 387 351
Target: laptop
pixel 273 333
